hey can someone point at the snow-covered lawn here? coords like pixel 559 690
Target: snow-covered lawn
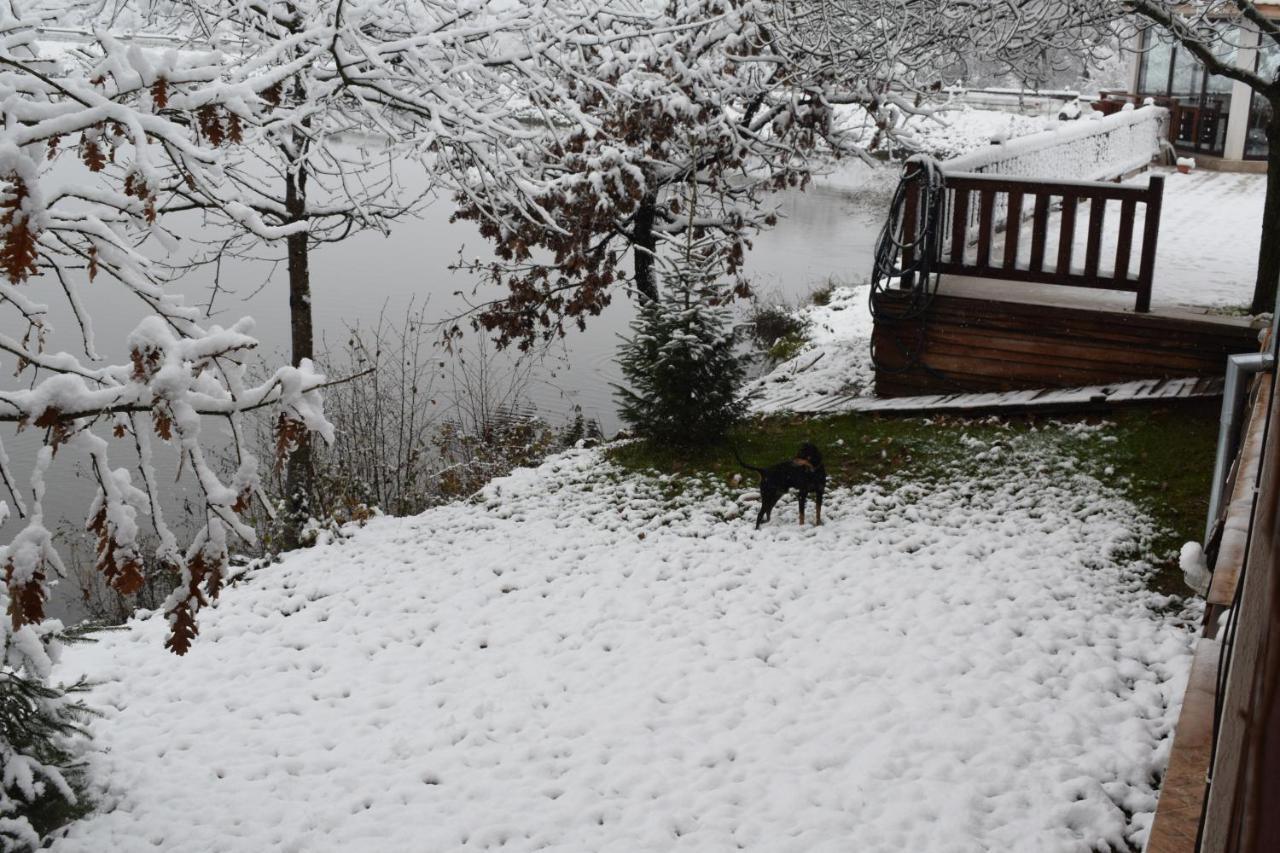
pixel 588 660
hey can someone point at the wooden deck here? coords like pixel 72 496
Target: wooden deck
pixel 974 338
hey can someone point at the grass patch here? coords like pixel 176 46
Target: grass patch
pixel 1160 458
pixel 821 295
pixel 786 348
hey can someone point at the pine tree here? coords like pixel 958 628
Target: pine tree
pixel 39 723
pixel 681 362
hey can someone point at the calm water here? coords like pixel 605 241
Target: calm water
pixel 825 233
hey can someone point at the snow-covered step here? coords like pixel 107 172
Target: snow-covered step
pixel 1004 401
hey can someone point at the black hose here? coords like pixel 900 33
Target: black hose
pixel 919 279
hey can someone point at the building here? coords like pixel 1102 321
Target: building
pixel 1220 122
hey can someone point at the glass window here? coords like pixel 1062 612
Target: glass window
pixel 1187 76
pixel 1255 135
pixel 1256 142
pixel 1154 77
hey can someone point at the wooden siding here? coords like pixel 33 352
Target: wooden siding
pixel 968 344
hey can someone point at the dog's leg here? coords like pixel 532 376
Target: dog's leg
pixel 803 496
pixel 768 497
pixel 766 504
pixel 817 508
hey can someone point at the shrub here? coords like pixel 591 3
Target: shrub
pixel 39 723
pixel 681 362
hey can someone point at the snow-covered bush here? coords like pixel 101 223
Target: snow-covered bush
pixel 38 723
pixel 681 362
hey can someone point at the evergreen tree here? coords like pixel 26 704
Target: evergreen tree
pixel 681 362
pixel 39 723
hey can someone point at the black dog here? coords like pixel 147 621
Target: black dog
pixel 804 473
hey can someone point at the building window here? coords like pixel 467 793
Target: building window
pixel 1256 142
pixel 1200 101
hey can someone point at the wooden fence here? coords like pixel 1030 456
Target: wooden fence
pixel 1222 785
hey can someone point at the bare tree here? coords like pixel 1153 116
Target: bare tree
pixel 363 94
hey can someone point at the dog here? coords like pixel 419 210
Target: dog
pixel 805 473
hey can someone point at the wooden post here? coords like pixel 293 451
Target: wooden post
pixel 959 223
pixel 1093 246
pixel 1067 233
pixel 1150 237
pixel 1039 228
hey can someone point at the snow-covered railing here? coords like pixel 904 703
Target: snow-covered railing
pixel 1087 150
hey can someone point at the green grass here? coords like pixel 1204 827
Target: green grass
pixel 1160 458
pixel 786 348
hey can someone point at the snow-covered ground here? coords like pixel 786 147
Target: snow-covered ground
pixel 585 660
pixel 1210 228
pixel 836 358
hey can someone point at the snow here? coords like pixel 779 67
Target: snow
pixel 836 358
pixel 1092 149
pixel 1210 229
pixel 587 660
pixel 1195 569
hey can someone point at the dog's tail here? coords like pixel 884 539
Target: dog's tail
pixel 738 456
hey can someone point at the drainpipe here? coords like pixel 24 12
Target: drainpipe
pixel 1239 369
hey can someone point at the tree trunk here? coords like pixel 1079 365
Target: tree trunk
pixel 298 474
pixel 645 245
pixel 1264 289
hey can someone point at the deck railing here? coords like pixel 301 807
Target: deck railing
pixel 981 235
pixel 1086 150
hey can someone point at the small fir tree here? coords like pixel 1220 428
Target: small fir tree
pixel 681 365
pixel 40 722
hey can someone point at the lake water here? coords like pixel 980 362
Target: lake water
pixel 825 233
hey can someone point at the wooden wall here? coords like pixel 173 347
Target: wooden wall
pixel 968 344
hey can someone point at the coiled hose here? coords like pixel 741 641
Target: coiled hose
pixel 918 278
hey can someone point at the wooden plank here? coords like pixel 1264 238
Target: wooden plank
pixel 1060 399
pixel 1039 228
pixel 959 225
pixel 988 345
pixel 1239 775
pixel 1182 792
pixel 1150 237
pixel 986 218
pixel 1066 236
pixel 1035 186
pixel 1151 330
pixel 1103 356
pixel 1040 276
pixel 1093 246
pixel 1235 529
